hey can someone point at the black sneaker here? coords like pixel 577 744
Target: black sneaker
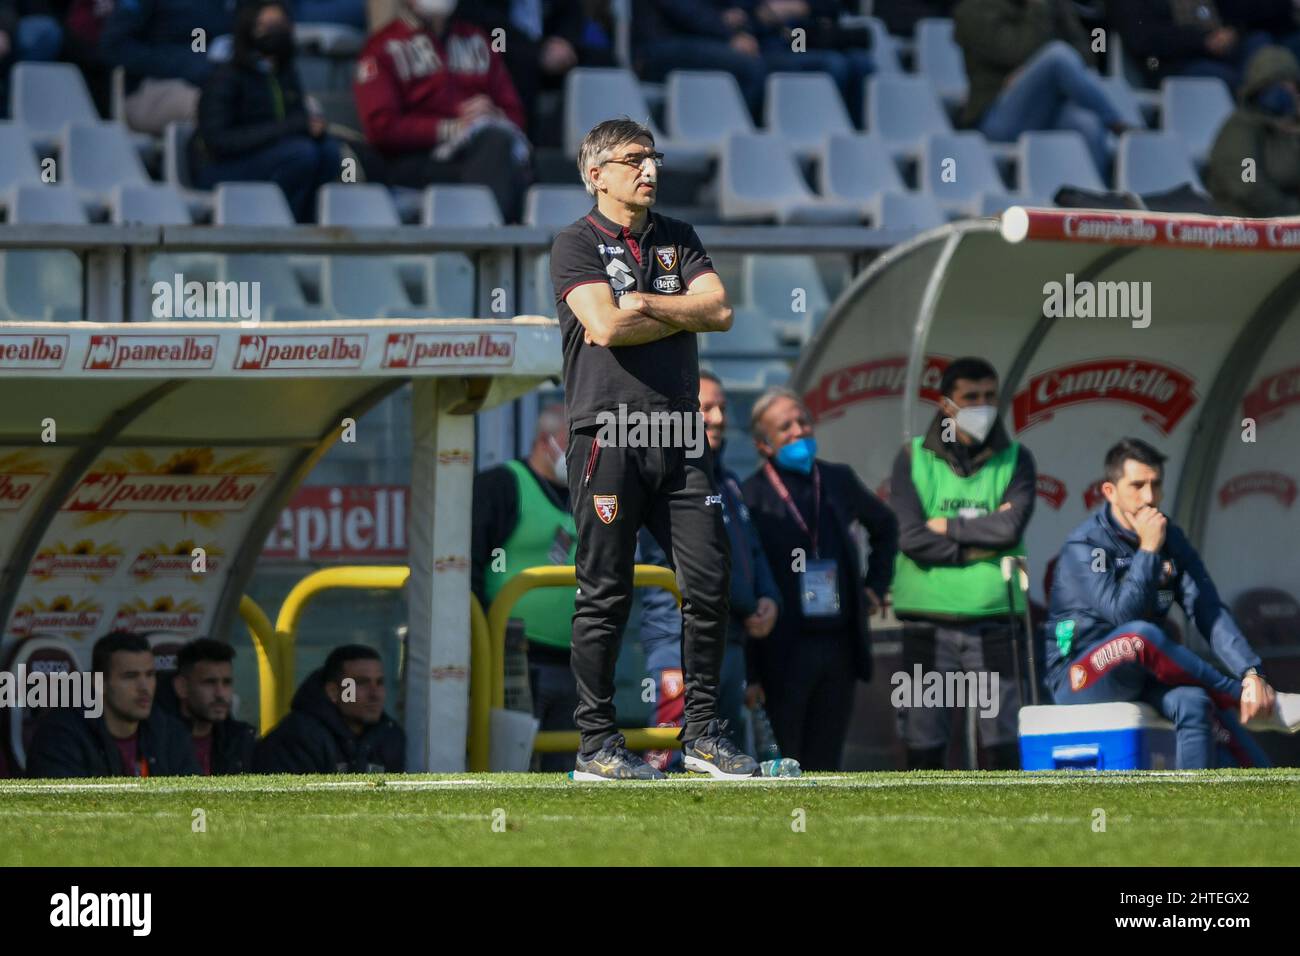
pixel 614 762
pixel 714 753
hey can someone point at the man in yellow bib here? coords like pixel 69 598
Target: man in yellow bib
pixel 963 493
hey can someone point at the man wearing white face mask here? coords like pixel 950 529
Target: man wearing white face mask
pixel 963 493
pixel 522 520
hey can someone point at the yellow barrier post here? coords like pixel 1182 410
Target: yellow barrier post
pixel 268 661
pixel 561 741
pixel 392 577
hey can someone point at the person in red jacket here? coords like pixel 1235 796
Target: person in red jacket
pixel 436 101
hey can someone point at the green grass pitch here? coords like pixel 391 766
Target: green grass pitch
pixel 1151 819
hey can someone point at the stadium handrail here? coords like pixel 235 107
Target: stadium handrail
pixel 556 576
pixel 263 637
pixel 389 577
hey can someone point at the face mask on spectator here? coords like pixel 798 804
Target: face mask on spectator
pixel 434 8
pixel 276 42
pixel 1277 100
pixel 798 455
pixel 977 420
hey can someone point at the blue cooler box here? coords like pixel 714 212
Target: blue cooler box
pixel 1119 736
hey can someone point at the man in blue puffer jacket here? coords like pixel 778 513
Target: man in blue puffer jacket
pixel 1117 576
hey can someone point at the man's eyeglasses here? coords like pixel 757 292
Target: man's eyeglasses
pixel 637 160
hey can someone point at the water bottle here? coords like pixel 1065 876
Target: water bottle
pixel 764 737
pixel 781 767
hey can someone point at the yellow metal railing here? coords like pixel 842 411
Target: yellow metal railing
pixel 268 662
pixel 557 576
pixel 481 663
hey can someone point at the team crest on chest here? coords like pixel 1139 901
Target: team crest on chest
pixel 667 256
pixel 606 507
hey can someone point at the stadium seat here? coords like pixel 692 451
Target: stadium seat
pixel 593 94
pixel 854 168
pixel 702 107
pixel 176 169
pixel 743 373
pixel 17 160
pixel 1125 100
pixel 750 334
pixel 45 97
pixel 1148 162
pixel 363 287
pixel 96 157
pixel 155 204
pixel 263 205
pixel 907 211
pixel 768 283
pixel 1052 159
pixel 902 111
pixel 555 207
pixel 462 205
pixel 972 171
pixel 1193 109
pixel 759 180
pixel 884 48
pixel 45 284
pixel 331 39
pixel 940 60
pixel 803 109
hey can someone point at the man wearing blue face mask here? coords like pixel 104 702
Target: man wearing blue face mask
pixel 807 668
pixel 963 493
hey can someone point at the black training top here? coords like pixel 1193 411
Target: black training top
pixel 663 259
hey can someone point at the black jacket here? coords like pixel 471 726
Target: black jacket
pixel 245 107
pixel 844 499
pixel 70 745
pixel 314 739
pixel 155 38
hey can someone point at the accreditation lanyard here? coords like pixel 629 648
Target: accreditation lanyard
pixel 784 492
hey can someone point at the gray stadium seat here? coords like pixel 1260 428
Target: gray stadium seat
pixel 855 168
pixel 263 205
pixel 1148 162
pixel 759 181
pixel 1125 100
pixel 96 157
pixel 41 285
pixel 155 204
pixel 884 50
pixel 803 109
pixel 1193 109
pixel 593 94
pixel 1052 159
pixel 332 39
pixel 940 60
pixel 907 211
pixel 363 287
pixel 17 160
pixel 176 168
pixel 903 111
pixel 555 207
pixel 768 283
pixel 750 334
pixel 45 97
pixel 973 171
pixel 702 107
pixel 462 205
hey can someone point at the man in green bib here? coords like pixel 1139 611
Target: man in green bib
pixel 522 520
pixel 963 493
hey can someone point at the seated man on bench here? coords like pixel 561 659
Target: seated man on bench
pixel 1117 576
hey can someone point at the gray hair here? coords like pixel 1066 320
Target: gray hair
pixel 603 139
pixel 765 402
pixel 550 420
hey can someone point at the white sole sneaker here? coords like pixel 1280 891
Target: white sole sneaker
pixel 703 766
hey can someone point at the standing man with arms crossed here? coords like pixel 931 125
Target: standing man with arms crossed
pixel 632 289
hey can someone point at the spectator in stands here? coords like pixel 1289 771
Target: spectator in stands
pixel 346 13
pixel 132 738
pixel 1028 65
pixel 337 722
pixel 522 520
pixel 1264 129
pixel 437 102
pixel 544 40
pixel 166 63
pixel 1201 38
pixel 204 686
pixel 82 26
pixel 963 493
pixel 900 16
pixel 254 122
pixel 755 599
pixel 28 31
pixel 802 507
